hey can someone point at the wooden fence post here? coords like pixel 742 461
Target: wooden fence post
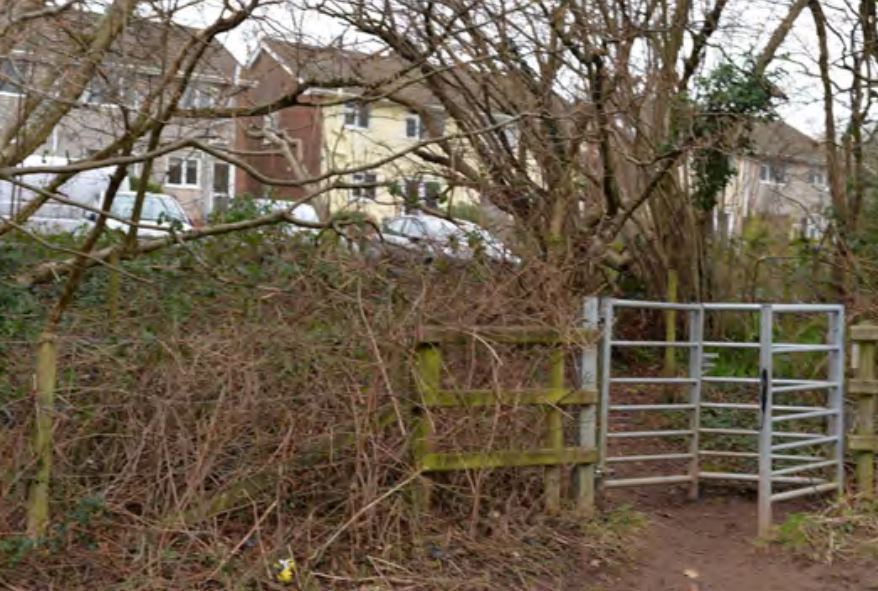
pixel 428 371
pixel 38 501
pixel 554 432
pixel 865 388
pixel 584 476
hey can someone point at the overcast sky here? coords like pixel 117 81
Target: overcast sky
pixel 749 24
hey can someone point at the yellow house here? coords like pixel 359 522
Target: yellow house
pixel 363 139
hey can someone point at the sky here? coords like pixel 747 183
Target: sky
pixel 749 24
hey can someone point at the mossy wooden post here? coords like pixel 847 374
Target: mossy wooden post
pixel 865 388
pixel 554 432
pixel 44 402
pixel 428 376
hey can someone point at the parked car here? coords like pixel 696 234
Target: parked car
pixel 439 237
pixel 86 187
pixel 303 211
pixel 158 210
pixel 480 239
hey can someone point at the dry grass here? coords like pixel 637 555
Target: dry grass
pixel 846 530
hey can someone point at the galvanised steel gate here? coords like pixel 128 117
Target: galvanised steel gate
pixel 783 432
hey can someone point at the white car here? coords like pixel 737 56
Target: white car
pixel 158 210
pixel 440 237
pixel 492 247
pixel 303 211
pixel 54 217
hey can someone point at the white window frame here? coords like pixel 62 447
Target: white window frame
pixel 364 194
pixel 356 109
pixel 770 177
pixel 815 174
pixel 183 184
pixel 420 129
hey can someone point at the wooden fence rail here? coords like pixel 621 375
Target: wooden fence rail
pixel 555 395
pixel 863 389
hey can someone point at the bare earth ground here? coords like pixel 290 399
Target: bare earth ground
pixel 714 539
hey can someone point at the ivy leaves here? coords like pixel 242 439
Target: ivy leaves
pixel 727 102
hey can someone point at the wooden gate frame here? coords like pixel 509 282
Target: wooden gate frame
pixel 428 372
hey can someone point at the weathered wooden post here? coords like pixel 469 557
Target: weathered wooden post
pixel 584 475
pixel 38 502
pixel 555 430
pixel 865 388
pixel 428 370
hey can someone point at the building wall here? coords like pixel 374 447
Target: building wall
pixel 346 148
pixel 89 128
pixel 327 144
pixel 750 194
pixel 301 123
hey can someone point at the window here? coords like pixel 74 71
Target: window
pixel 813 227
pixel 817 178
pixel 183 172
pixel 13 74
pixel 414 127
pixel 432 189
pixel 369 188
pixel 416 190
pixel 411 190
pixel 197 96
pixel 112 88
pixel 221 177
pixel 97 92
pixel 356 115
pixel 155 208
pixel 773 173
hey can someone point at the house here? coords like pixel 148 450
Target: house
pixel 336 129
pixel 782 177
pixel 136 62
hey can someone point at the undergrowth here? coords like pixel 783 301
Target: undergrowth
pixel 249 404
pixel 847 529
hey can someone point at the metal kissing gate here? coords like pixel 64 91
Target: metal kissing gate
pixel 774 427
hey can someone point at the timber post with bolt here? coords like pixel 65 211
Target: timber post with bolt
pixel 864 388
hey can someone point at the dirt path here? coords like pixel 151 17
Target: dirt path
pixel 714 540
